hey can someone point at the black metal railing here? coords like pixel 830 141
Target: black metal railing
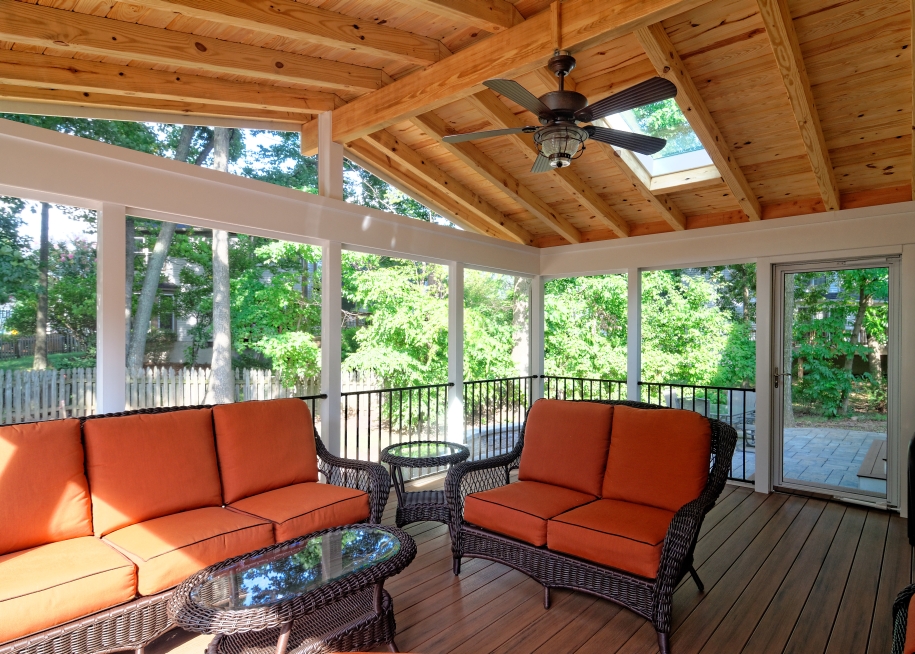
pixel 372 420
pixel 494 411
pixel 735 406
pixel 583 388
pixel 312 402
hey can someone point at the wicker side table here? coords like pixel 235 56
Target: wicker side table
pixel 421 505
pixel 318 593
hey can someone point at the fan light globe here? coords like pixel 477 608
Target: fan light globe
pixel 560 143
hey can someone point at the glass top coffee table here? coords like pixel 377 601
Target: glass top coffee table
pixel 319 593
pixel 421 505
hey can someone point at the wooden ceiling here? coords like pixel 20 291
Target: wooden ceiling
pixel 803 105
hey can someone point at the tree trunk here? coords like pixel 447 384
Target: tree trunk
pixel 221 388
pixel 521 326
pixel 873 359
pixel 131 248
pixel 863 301
pixel 788 352
pixel 41 320
pixel 136 351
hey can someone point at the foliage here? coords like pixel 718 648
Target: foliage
pixel 295 355
pixel 490 331
pixel 17 269
pixel 665 120
pixel 159 344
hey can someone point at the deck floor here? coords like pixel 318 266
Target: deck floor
pixel 783 574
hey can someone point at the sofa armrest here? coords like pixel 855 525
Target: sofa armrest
pixel 901 618
pixel 361 475
pixel 474 477
pixel 682 535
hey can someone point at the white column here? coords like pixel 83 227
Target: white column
pixel 765 306
pixel 634 334
pixel 331 327
pixel 111 339
pixel 537 335
pixel 330 159
pixel 456 351
pixel 906 340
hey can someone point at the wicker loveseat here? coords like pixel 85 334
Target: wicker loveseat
pixel 904 622
pixel 609 500
pixel 100 518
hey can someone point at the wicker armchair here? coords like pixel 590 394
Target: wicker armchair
pixel 650 598
pixel 901 618
pixel 132 626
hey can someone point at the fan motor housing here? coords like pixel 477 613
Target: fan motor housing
pixel 563 104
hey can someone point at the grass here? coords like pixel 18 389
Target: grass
pixel 59 361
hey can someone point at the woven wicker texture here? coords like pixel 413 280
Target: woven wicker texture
pixel 423 505
pixel 901 618
pixel 460 453
pixel 651 599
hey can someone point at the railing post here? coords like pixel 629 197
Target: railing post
pixel 111 337
pixel 331 327
pixel 634 334
pixel 456 351
pixel 537 338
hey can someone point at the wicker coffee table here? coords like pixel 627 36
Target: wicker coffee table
pixel 421 505
pixel 318 593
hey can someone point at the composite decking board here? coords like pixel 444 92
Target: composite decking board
pixel 576 633
pixel 895 574
pixel 551 623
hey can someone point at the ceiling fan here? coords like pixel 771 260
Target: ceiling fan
pixel 560 139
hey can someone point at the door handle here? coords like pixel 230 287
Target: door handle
pixel 776 376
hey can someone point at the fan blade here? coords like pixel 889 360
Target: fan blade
pixel 459 138
pixel 627 140
pixel 649 91
pixel 517 93
pixel 541 164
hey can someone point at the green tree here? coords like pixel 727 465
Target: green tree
pixel 17 269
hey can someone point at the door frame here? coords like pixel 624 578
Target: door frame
pixel 779 270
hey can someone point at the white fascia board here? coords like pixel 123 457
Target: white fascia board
pixel 41 164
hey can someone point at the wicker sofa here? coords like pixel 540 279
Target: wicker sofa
pixel 102 517
pixel 609 500
pixel 904 622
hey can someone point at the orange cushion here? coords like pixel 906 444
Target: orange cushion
pixel 658 457
pixel 520 510
pixel 617 534
pixel 565 444
pixel 43 492
pixel 303 508
pixel 909 647
pixel 55 583
pixel 168 550
pixel 263 446
pixel 149 465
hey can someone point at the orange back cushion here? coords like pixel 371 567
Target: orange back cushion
pixel 263 446
pixel 565 444
pixel 658 457
pixel 43 493
pixel 149 465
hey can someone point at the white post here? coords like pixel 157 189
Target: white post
pixel 331 327
pixel 634 335
pixel 537 336
pixel 330 159
pixel 111 339
pixel 765 313
pixel 906 339
pixel 456 351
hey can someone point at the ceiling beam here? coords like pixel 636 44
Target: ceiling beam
pixel 56 28
pixel 515 51
pixel 470 155
pixel 147 105
pixel 390 146
pixel 490 15
pixel 667 62
pixel 912 89
pixel 408 182
pixel 43 71
pixel 297 20
pixel 790 59
pixel 495 111
pixel 686 180
pixel 631 167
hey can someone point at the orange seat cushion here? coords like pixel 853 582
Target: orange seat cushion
pixel 170 549
pixel 150 465
pixel 263 446
pixel 909 647
pixel 304 508
pixel 43 492
pixel 658 457
pixel 617 534
pixel 566 443
pixel 521 510
pixel 52 584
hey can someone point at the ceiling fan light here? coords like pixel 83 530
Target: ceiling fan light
pixel 560 143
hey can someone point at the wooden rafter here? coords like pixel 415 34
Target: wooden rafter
pixel 490 15
pixel 517 50
pixel 667 62
pixel 790 59
pixel 390 146
pixel 631 167
pixel 489 104
pixel 399 176
pixel 469 154
pixel 55 28
pixel 687 180
pixel 44 71
pixel 298 20
pixel 912 89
